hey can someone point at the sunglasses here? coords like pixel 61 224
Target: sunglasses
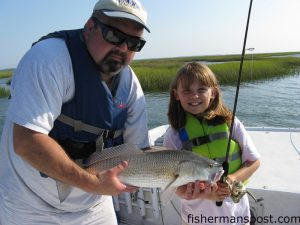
pixel 116 37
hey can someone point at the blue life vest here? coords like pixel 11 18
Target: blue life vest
pixel 94 111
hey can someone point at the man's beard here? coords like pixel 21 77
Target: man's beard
pixel 111 67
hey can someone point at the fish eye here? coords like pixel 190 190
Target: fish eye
pixel 210 165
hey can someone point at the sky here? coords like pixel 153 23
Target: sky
pixel 178 28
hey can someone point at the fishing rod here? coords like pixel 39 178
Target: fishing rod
pixel 225 164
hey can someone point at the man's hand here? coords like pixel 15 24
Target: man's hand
pixel 108 183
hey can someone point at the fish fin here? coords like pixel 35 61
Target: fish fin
pixel 156 149
pixel 108 153
pixel 171 183
pixel 63 190
pixel 167 192
pixel 167 195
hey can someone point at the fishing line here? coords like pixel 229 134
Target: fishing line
pixel 292 142
pixel 177 211
pixel 226 162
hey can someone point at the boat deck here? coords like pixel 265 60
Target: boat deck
pixel 280 159
pixel 275 183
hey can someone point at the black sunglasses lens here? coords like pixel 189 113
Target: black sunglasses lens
pixel 116 37
pixel 135 44
pixel 113 38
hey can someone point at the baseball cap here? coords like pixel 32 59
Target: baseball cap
pixel 129 9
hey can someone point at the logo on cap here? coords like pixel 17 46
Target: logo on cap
pixel 130 3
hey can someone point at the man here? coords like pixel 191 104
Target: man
pixel 73 93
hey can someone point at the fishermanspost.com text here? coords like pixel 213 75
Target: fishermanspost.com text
pixel 200 219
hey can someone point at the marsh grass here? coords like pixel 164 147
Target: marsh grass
pixel 227 73
pixel 6 73
pixel 4 92
pixel 157 74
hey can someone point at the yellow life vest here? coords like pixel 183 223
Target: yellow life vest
pixel 210 141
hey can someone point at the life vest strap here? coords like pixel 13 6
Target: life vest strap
pixel 232 157
pixel 209 138
pixel 80 126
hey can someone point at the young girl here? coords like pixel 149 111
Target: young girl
pixel 200 122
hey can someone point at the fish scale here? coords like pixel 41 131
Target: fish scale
pixel 155 168
pixel 164 169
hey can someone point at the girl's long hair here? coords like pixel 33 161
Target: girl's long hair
pixel 188 74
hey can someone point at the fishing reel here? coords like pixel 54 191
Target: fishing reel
pixel 237 190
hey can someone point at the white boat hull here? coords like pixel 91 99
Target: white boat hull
pixel 276 184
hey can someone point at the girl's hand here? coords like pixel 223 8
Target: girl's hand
pixel 220 193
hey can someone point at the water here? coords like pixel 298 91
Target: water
pixel 274 103
pixel 3 82
pixel 3 108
